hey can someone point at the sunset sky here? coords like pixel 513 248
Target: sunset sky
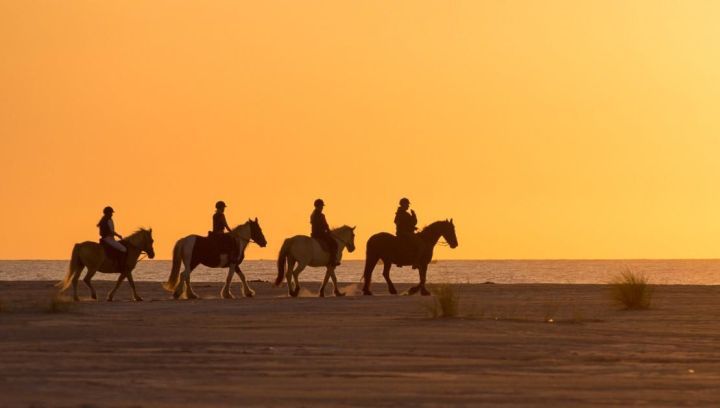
pixel 546 129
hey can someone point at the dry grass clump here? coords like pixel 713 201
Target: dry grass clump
pixel 445 304
pixel 631 290
pixel 59 304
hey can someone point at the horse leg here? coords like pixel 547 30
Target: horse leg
pixel 288 275
pixel 136 297
pixel 189 292
pixel 335 284
pixel 325 281
pixel 76 276
pixel 117 285
pixel 295 274
pixel 247 291
pixel 225 291
pixel 370 263
pixel 88 277
pixel 386 274
pixel 423 275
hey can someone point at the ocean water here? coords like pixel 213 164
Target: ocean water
pixel 690 272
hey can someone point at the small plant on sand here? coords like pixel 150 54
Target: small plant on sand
pixel 58 304
pixel 445 302
pixel 631 290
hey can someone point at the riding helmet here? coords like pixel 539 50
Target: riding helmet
pixel 108 210
pixel 404 201
pixel 319 203
pixel 220 204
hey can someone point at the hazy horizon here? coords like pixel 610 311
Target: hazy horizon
pixel 546 130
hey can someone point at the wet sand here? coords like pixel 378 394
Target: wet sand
pixel 515 345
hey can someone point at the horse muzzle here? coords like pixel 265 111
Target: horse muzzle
pixel 151 254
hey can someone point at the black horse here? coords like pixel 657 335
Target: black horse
pixel 392 250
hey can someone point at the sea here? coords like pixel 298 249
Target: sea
pixel 662 272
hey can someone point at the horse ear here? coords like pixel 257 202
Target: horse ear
pixel 353 228
pixel 255 220
pixel 451 221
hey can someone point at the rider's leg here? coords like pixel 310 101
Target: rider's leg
pixel 120 247
pixel 332 250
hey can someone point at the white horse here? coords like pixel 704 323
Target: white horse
pixel 193 250
pixel 306 251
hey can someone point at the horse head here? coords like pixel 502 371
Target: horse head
pixel 347 235
pixel 142 239
pixel 448 232
pixel 256 233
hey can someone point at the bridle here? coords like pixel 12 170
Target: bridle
pixel 336 236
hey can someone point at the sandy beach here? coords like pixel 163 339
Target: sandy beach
pixel 515 345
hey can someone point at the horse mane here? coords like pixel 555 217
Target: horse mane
pixel 433 225
pixel 140 230
pixel 339 228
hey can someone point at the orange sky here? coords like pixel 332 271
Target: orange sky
pixel 553 129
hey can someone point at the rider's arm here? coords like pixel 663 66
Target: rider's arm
pixel 224 220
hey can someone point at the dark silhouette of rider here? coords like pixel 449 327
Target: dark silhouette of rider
pixel 225 242
pixel 219 222
pixel 108 234
pixel 321 231
pixel 406 225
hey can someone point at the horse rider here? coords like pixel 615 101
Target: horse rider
pixel 405 227
pixel 108 234
pixel 224 242
pixel 321 232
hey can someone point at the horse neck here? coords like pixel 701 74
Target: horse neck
pixel 431 234
pixel 134 239
pixel 242 231
pixel 340 236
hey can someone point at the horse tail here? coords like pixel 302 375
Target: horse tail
pixel 74 267
pixel 175 271
pixel 282 260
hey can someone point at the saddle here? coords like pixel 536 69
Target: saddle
pixel 323 244
pixel 224 244
pixel 117 258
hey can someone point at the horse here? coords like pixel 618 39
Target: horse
pixel 306 251
pixel 392 250
pixel 193 250
pixel 91 255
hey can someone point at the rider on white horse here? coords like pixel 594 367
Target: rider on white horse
pixel 225 242
pixel 321 232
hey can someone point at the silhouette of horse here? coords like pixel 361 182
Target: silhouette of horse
pixel 392 250
pixel 91 255
pixel 306 251
pixel 193 250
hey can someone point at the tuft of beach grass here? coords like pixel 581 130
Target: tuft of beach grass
pixel 59 304
pixel 445 302
pixel 631 290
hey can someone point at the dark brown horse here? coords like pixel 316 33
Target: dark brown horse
pixel 392 250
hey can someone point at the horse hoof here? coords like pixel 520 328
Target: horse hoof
pixel 393 291
pixel 227 295
pixel 424 292
pixel 93 297
pixel 367 293
pixel 249 294
pixel 138 299
pixel 412 290
pixel 76 299
pixel 109 299
pixel 339 294
pixel 321 294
